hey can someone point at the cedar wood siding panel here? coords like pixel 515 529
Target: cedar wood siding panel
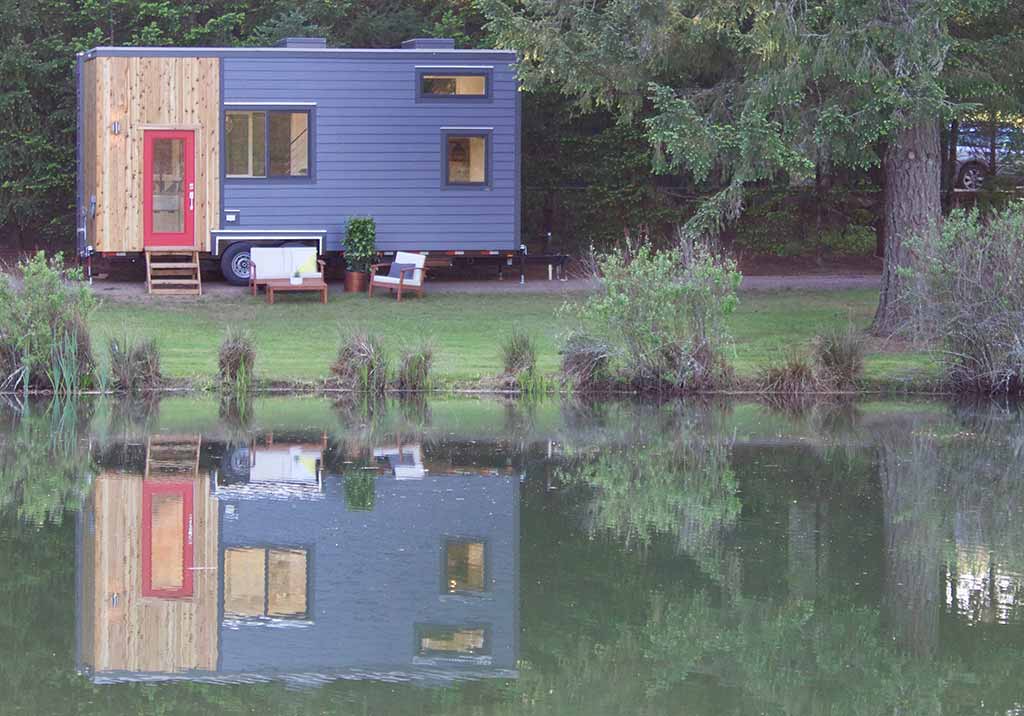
pixel 165 92
pixel 377 151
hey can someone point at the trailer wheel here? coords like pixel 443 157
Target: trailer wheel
pixel 234 264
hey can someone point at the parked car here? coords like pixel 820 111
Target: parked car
pixel 974 159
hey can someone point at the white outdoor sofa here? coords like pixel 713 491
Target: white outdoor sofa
pixel 407 273
pixel 275 263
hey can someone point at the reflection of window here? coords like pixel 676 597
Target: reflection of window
pixel 453 85
pixel 466 159
pixel 265 582
pixel 258 141
pixel 468 641
pixel 464 567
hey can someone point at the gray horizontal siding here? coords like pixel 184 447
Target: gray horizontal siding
pixel 378 151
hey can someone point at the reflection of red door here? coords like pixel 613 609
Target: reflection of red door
pixel 168 187
pixel 166 539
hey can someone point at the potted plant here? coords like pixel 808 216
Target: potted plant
pixel 296 278
pixel 360 251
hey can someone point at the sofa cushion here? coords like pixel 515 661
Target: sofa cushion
pixel 397 268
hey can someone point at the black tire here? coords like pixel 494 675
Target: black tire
pixel 971 177
pixel 234 465
pixel 234 264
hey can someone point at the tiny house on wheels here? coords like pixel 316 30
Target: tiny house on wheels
pixel 207 152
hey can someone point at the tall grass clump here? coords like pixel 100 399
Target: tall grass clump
pixel 44 336
pixel 838 355
pixel 362 364
pixel 519 361
pixel 134 365
pixel 660 316
pixel 235 361
pixel 585 363
pixel 967 285
pixel 414 368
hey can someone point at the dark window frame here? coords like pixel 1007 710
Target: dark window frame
pixel 268 109
pixel 486 72
pixel 488 134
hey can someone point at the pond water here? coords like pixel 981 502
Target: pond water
pixel 465 556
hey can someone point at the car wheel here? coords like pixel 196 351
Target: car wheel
pixel 971 177
pixel 235 465
pixel 234 264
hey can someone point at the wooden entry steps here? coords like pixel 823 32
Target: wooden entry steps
pixel 173 271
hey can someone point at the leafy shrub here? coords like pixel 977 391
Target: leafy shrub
pixel 360 243
pixel 134 365
pixel 850 240
pixel 968 295
pixel 662 317
pixel 414 368
pixel 44 338
pixel 585 362
pixel 360 492
pixel 236 359
pixel 362 364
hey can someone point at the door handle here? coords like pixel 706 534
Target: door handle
pixel 191 200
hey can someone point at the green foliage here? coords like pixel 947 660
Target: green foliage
pixel 414 368
pixel 969 296
pixel 362 364
pixel 360 492
pixel 662 316
pixel 44 460
pixel 236 359
pixel 360 243
pixel 839 353
pixel 585 362
pixel 519 360
pixel 44 341
pixel 134 365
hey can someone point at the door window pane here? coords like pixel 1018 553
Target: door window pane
pixel 464 567
pixel 289 144
pixel 467 160
pixel 167 541
pixel 168 186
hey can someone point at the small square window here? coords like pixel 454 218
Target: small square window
pixel 465 567
pixel 466 159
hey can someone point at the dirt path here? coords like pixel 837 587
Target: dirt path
pixel 123 291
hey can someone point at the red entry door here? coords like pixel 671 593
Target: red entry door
pixel 167 539
pixel 169 187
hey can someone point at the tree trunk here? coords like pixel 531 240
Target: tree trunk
pixel 912 208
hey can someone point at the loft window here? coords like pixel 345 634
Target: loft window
pixel 267 143
pixel 265 582
pixel 453 83
pixel 452 641
pixel 466 156
pixel 464 567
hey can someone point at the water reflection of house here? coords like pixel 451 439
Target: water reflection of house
pixel 186 573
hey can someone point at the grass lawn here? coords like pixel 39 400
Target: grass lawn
pixel 297 338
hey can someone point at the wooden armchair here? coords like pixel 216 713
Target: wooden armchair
pixel 407 273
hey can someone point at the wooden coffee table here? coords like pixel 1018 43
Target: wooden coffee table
pixel 308 284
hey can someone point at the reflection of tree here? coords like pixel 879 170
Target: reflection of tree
pixel 676 479
pixel 44 461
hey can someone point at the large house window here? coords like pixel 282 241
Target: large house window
pixel 466 158
pixel 267 143
pixel 265 582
